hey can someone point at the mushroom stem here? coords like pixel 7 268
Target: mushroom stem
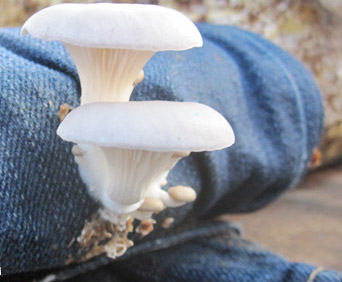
pixel 108 75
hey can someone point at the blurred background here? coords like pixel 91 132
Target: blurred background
pixel 305 223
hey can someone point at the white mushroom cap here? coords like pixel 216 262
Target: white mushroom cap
pixel 119 26
pixel 149 125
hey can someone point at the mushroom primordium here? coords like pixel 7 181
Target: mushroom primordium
pixel 111 43
pixel 125 151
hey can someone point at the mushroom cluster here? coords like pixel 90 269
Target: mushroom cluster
pixel 124 149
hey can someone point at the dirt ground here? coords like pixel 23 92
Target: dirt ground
pixel 305 224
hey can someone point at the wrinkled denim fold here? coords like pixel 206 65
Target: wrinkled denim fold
pixel 224 258
pixel 269 98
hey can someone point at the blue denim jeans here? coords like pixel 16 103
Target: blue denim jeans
pixel 269 98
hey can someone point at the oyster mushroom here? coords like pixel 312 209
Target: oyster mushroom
pixel 125 150
pixel 110 43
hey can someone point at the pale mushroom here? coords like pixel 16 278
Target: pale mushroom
pixel 110 43
pixel 126 150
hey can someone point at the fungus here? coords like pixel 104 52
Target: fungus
pixel 110 43
pixel 125 151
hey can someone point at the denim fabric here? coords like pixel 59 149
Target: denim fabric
pixel 270 99
pixel 221 259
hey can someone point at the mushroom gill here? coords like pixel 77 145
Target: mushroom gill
pixel 122 178
pixel 107 75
